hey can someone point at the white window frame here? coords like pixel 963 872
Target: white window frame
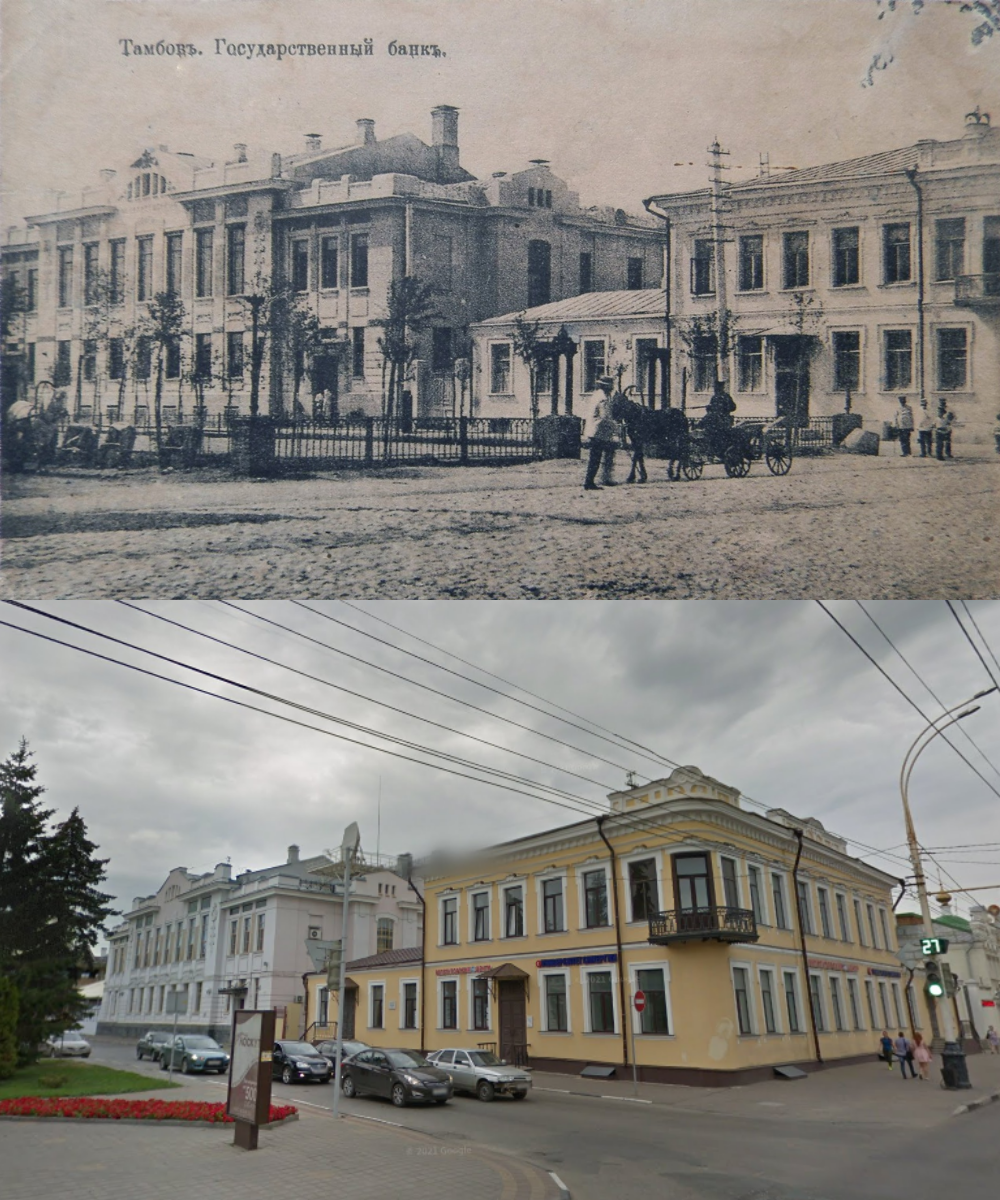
pixel 782 876
pixel 489 365
pixel 540 902
pixel 777 999
pixel 897 1003
pixel 872 927
pixel 641 856
pixel 835 978
pixel 822 1024
pixel 583 363
pixel 744 965
pixel 871 1003
pixel 450 895
pixel 762 871
pixel 600 969
pixel 825 891
pixel 520 881
pixel 736 872
pixel 371 985
pixel 633 977
pixel 845 927
pixel 854 997
pixel 886 927
pixel 859 919
pixel 808 924
pixel 471 1004
pixel 395 922
pixel 480 891
pixel 566 974
pixel 581 898
pixel 402 1004
pixel 457 981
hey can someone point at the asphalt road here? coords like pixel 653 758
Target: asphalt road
pixel 602 1148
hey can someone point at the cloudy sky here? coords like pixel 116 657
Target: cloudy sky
pixel 623 96
pixel 769 697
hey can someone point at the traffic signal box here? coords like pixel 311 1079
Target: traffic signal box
pixel 933 980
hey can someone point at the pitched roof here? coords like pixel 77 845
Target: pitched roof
pixel 885 162
pixel 589 305
pixel 953 922
pixel 388 958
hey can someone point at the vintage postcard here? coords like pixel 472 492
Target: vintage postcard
pixel 547 299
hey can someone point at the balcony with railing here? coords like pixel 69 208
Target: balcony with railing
pixel 716 923
pixel 978 291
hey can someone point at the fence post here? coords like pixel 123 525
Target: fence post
pixel 369 441
pixel 463 440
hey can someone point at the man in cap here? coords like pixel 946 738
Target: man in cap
pixel 604 436
pixel 904 423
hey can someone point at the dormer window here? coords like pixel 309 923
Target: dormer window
pixel 145 184
pixel 539 198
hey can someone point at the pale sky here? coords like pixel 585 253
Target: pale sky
pixel 769 697
pixel 616 93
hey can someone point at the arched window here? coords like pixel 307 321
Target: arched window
pixel 384 927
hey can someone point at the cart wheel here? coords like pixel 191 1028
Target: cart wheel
pixel 779 458
pixel 736 461
pixel 693 468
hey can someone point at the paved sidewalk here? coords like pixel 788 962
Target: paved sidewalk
pixel 868 1093
pixel 314 1156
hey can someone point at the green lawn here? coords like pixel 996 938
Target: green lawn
pixel 82 1080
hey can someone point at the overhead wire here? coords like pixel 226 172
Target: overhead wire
pixel 968 638
pixel 989 648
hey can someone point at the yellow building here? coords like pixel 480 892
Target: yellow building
pixel 755 941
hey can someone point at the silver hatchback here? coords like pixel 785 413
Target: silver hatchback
pixel 482 1073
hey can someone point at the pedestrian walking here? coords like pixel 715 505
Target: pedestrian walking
pixel 925 431
pixel 993 1040
pixel 885 1048
pixel 922 1055
pixel 903 1049
pixel 904 424
pixel 603 438
pixel 942 431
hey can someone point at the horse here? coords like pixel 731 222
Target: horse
pixel 639 429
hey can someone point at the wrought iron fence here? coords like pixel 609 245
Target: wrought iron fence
pixel 714 921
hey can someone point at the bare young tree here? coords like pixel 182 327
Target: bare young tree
pixel 532 349
pixel 164 326
pixel 410 310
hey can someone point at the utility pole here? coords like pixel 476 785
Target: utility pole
pixel 718 241
pixel 348 848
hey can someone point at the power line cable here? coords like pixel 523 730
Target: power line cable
pixel 989 648
pixel 968 638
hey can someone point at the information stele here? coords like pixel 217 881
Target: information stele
pixel 249 1099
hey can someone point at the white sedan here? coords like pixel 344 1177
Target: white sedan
pixel 66 1045
pixel 482 1073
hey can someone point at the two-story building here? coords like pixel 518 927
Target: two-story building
pixel 754 940
pixel 225 942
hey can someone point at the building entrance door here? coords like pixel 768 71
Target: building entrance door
pixel 512 1020
pixel 326 377
pixel 791 378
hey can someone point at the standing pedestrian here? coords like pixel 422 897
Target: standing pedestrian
pixel 942 430
pixel 923 1056
pixel 885 1045
pixel 904 423
pixel 903 1048
pixel 993 1040
pixel 603 438
pixel 925 431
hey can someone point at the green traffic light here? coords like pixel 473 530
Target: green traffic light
pixel 935 989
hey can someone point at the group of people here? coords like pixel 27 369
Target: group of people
pixel 933 432
pixel 906 1051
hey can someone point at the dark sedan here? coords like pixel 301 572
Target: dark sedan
pixel 194 1052
pixel 292 1062
pixel 152 1044
pixel 401 1076
pixel 329 1050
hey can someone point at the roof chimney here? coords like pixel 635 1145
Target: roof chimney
pixel 241 151
pixel 314 142
pixel 444 137
pixel 977 123
pixel 108 173
pixel 293 854
pixel 366 131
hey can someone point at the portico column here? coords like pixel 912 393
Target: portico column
pixel 555 383
pixel 570 354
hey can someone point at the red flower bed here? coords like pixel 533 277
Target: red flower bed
pixel 89 1107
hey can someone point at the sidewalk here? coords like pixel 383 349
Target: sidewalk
pixel 867 1094
pixel 316 1155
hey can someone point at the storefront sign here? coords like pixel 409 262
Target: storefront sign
pixel 826 964
pixel 887 974
pixel 579 961
pixel 477 970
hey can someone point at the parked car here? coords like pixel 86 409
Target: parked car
pixel 151 1044
pixel 482 1073
pixel 295 1061
pixel 399 1075
pixel 329 1050
pixel 193 1052
pixel 66 1045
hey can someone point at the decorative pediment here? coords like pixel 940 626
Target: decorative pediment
pixel 145 159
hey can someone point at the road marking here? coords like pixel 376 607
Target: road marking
pixel 629 1099
pixel 565 1091
pixel 383 1121
pixel 313 1104
pixel 563 1189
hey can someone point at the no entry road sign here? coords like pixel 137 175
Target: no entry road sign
pixel 639 1001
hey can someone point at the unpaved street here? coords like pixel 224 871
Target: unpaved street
pixel 836 526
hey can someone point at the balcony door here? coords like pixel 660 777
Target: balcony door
pixel 694 891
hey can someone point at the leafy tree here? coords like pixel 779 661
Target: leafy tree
pixel 13 302
pixel 164 326
pixel 410 310
pixel 531 348
pixel 298 336
pixel 8 1027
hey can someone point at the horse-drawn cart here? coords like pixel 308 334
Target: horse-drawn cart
pixel 737 449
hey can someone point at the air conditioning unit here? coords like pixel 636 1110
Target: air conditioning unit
pixel 297 999
pixel 315 932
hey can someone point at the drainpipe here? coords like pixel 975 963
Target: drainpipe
pixel 802 944
pixel 625 1014
pixel 305 1004
pixel 911 175
pixel 423 958
pixel 650 207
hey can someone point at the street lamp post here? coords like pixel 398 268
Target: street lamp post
pixel 348 848
pixel 953 1057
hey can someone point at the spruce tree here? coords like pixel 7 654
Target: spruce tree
pixel 8 1027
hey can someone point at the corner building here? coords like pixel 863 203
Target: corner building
pixel 756 941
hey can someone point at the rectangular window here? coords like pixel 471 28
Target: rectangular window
pixel 552 897
pixel 949 259
pixel 62 374
pixel 778 896
pixel 555 1004
pixel 30 364
pixel 31 294
pixel 595 894
pixel 203 244
pixel 175 249
pixel 823 897
pixel 144 269
pixel 359 260
pixel 883 995
pixel 260 933
pixel 952 359
pixel 233 934
pixel 846 360
pixel 89 359
pixel 805 907
pixel 65 276
pixel 246 935
pixel 203 355
pixel 329 257
pixel 90 252
pixel 191 939
pixel 513 907
pixel 911 1000
pixel 846 257
pixel 593 364
pixel 898 359
pixel 897 1005
pixel 602 1008
pixel 409 1006
pixel 300 265
pixel 796 260
pixel 741 990
pixel 323 1015
pixel 730 888
pixel 481 917
pixel 378 1006
pixel 172 358
pixel 703 358
pixel 703 268
pixel 143 357
pixel 692 882
pixel 896 253
pixel 756 898
pixel 480 1004
pixel 845 929
pixel 871 925
pixel 643 890
pixel 117 279
pixel 586 271
pixel 358 351
pixel 441 356
pixel 852 992
pixel 539 273
pixel 751 263
pixel 837 1005
pixel 634 274
pixel 816 1000
pixel 449 1004
pixel 234 355
pixel 449 915
pixel 767 1000
pixel 203 941
pixel 750 364
pixel 654 1018
pixel 857 921
pixel 236 238
pixel 883 920
pixel 500 356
